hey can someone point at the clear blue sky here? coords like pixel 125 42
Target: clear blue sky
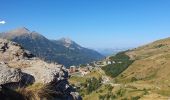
pixel 91 23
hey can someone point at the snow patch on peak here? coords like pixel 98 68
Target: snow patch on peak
pixel 67 40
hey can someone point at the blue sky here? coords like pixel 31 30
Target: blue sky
pixel 91 23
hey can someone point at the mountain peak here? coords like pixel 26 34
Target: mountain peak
pixel 15 33
pixel 20 30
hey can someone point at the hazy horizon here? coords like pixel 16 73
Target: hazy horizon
pixel 91 23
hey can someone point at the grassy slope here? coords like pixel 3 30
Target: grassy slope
pixel 152 62
pixel 151 67
pixel 97 73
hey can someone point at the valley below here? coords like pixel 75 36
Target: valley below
pixel 137 74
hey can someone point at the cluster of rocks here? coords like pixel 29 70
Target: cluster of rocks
pixel 19 68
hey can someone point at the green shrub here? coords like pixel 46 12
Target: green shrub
pixel 121 92
pixel 145 91
pixel 109 87
pixel 101 97
pixel 108 96
pixel 133 79
pixel 92 84
pixel 135 98
pixel 159 46
pixel 100 91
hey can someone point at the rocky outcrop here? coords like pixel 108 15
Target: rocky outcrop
pixel 14 56
pixel 46 73
pixel 20 67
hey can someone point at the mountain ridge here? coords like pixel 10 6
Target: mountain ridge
pixel 63 51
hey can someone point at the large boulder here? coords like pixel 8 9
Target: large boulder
pixel 9 75
pixel 45 72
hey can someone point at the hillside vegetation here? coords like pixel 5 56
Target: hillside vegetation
pixel 122 61
pixel 139 74
pixel 150 68
pixel 151 62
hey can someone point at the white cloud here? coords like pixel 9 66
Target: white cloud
pixel 2 22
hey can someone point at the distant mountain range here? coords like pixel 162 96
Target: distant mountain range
pixel 110 51
pixel 63 51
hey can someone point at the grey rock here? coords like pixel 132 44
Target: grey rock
pixel 8 75
pixel 44 72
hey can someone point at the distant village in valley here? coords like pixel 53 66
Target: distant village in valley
pixel 82 70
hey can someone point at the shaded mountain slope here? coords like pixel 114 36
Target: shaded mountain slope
pixel 63 51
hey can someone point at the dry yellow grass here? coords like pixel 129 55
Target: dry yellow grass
pixel 31 92
pixel 154 97
pixel 38 91
pixel 150 68
pixel 152 63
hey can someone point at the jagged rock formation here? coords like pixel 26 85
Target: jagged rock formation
pixel 19 67
pixel 63 51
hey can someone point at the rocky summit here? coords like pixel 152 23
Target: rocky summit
pixel 21 69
